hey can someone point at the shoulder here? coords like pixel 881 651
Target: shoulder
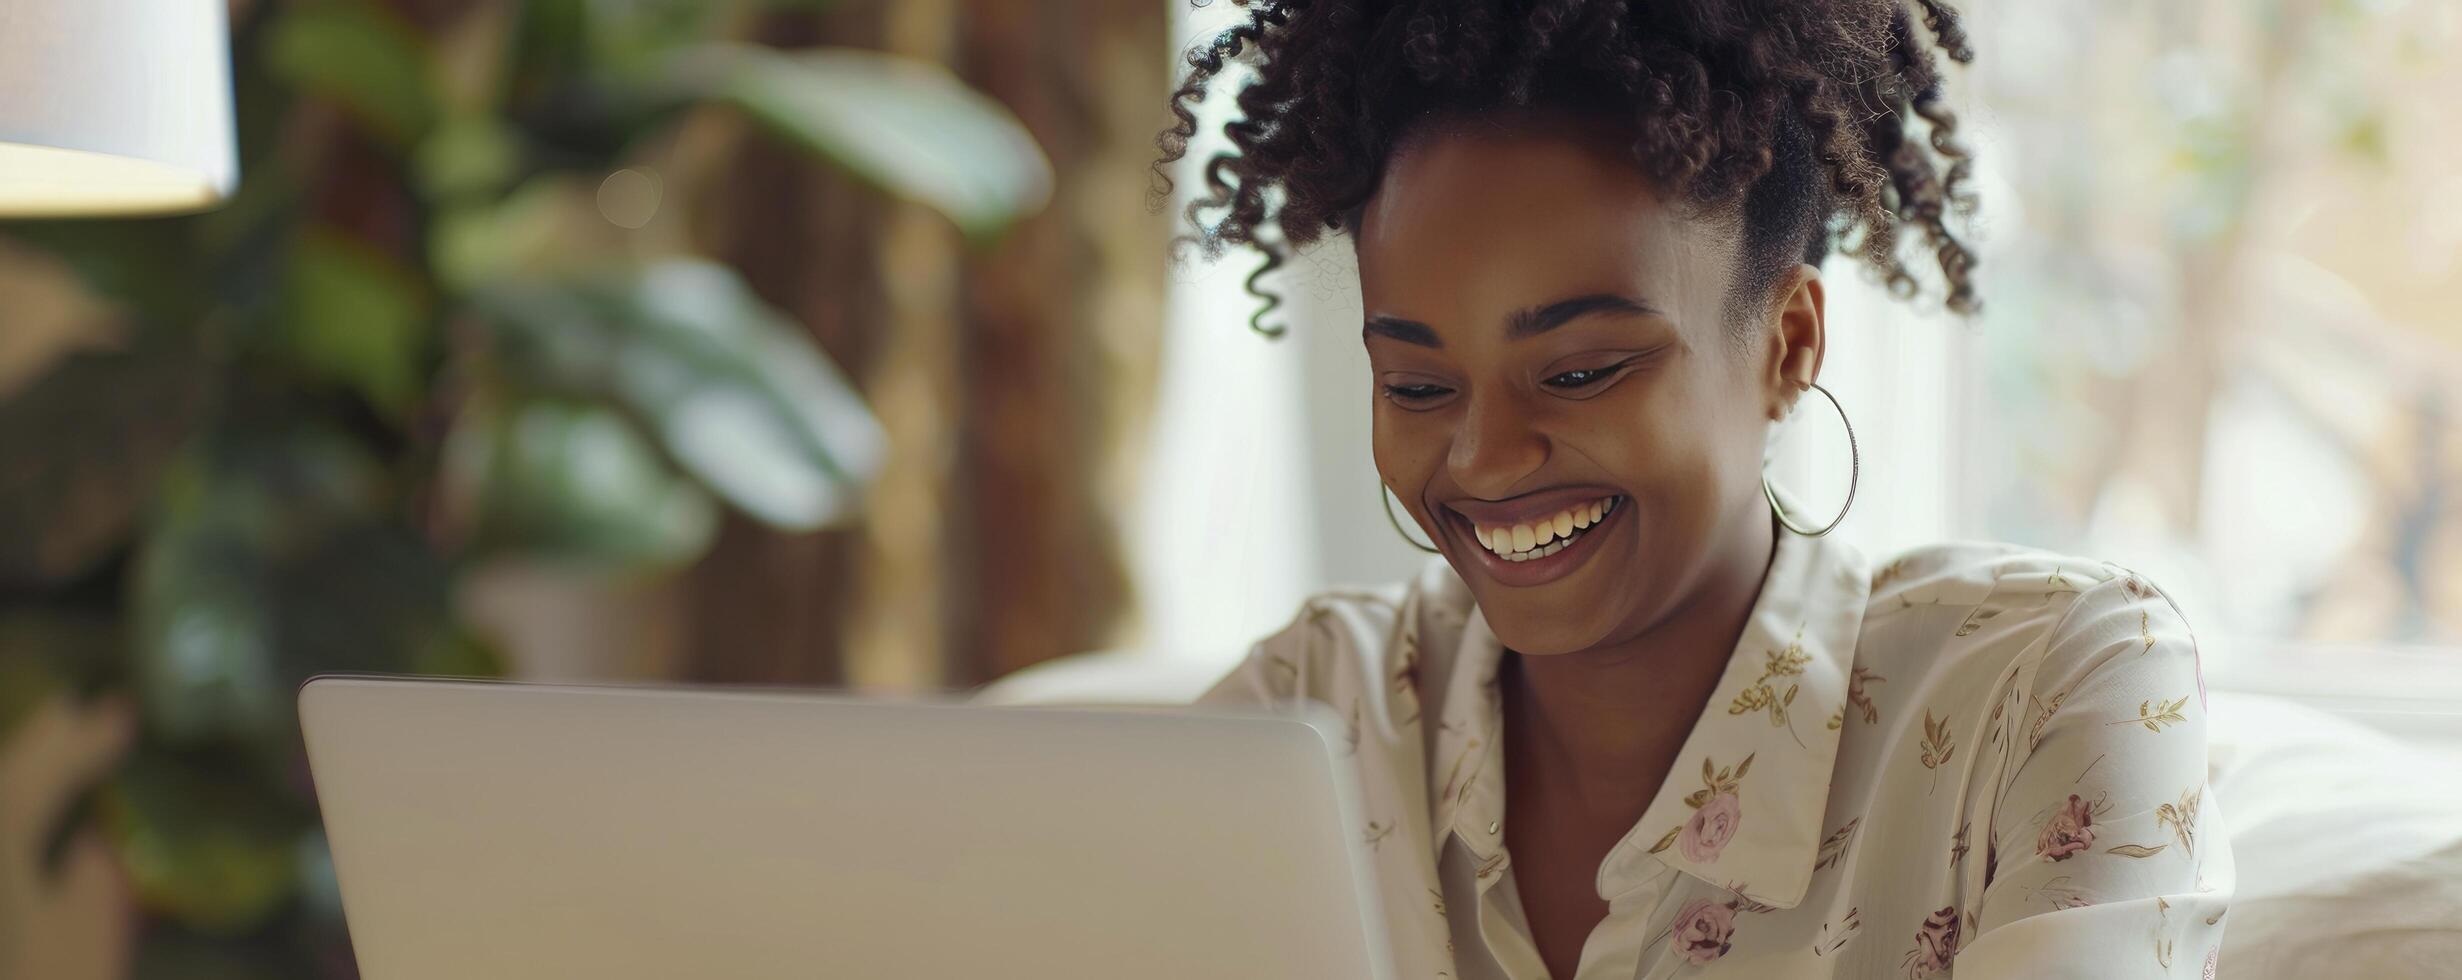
pixel 1342 637
pixel 1994 606
pixel 1991 580
pixel 1969 572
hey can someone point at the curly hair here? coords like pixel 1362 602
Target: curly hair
pixel 1791 115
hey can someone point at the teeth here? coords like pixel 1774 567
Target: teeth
pixel 1544 537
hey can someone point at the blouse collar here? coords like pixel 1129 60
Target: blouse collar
pixel 1742 807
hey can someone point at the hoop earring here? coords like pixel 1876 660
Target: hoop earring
pixel 1384 498
pixel 1855 470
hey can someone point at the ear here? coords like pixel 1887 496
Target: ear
pixel 1798 337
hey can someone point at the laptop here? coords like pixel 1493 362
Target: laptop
pixel 506 830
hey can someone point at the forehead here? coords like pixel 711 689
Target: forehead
pixel 1473 219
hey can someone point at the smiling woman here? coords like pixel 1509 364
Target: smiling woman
pixel 1583 351
pixel 1590 240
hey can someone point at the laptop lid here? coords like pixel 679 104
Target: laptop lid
pixel 490 829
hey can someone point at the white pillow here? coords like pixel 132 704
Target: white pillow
pixel 1108 677
pixel 2347 845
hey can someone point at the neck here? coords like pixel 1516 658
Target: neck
pixel 1591 720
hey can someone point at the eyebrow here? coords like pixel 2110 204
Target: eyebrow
pixel 1527 322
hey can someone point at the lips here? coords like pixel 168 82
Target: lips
pixel 1538 538
pixel 1528 508
pixel 1547 535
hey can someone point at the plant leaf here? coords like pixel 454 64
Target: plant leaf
pixel 574 482
pixel 274 554
pixel 547 228
pixel 906 126
pixel 468 155
pixel 2137 850
pixel 206 843
pixel 364 59
pixel 357 316
pixel 734 393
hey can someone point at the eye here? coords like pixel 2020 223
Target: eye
pixel 1582 378
pixel 1414 394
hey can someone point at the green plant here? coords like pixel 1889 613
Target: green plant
pixel 411 346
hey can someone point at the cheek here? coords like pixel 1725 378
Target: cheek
pixel 1683 454
pixel 1407 447
pixel 1653 432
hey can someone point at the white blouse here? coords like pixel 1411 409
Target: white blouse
pixel 1979 760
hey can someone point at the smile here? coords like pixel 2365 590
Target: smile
pixel 1532 552
pixel 1545 537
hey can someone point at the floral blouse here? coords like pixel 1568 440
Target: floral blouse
pixel 1977 761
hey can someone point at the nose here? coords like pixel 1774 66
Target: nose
pixel 1495 448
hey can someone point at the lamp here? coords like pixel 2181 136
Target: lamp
pixel 114 107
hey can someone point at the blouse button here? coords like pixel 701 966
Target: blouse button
pixel 1492 825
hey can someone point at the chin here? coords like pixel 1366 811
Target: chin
pixel 1533 625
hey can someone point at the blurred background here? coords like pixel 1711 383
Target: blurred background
pixel 836 344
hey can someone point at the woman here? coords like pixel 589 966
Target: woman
pixel 1641 719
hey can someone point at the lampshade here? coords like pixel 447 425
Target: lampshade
pixel 114 107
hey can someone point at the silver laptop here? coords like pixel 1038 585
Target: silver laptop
pixel 486 830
